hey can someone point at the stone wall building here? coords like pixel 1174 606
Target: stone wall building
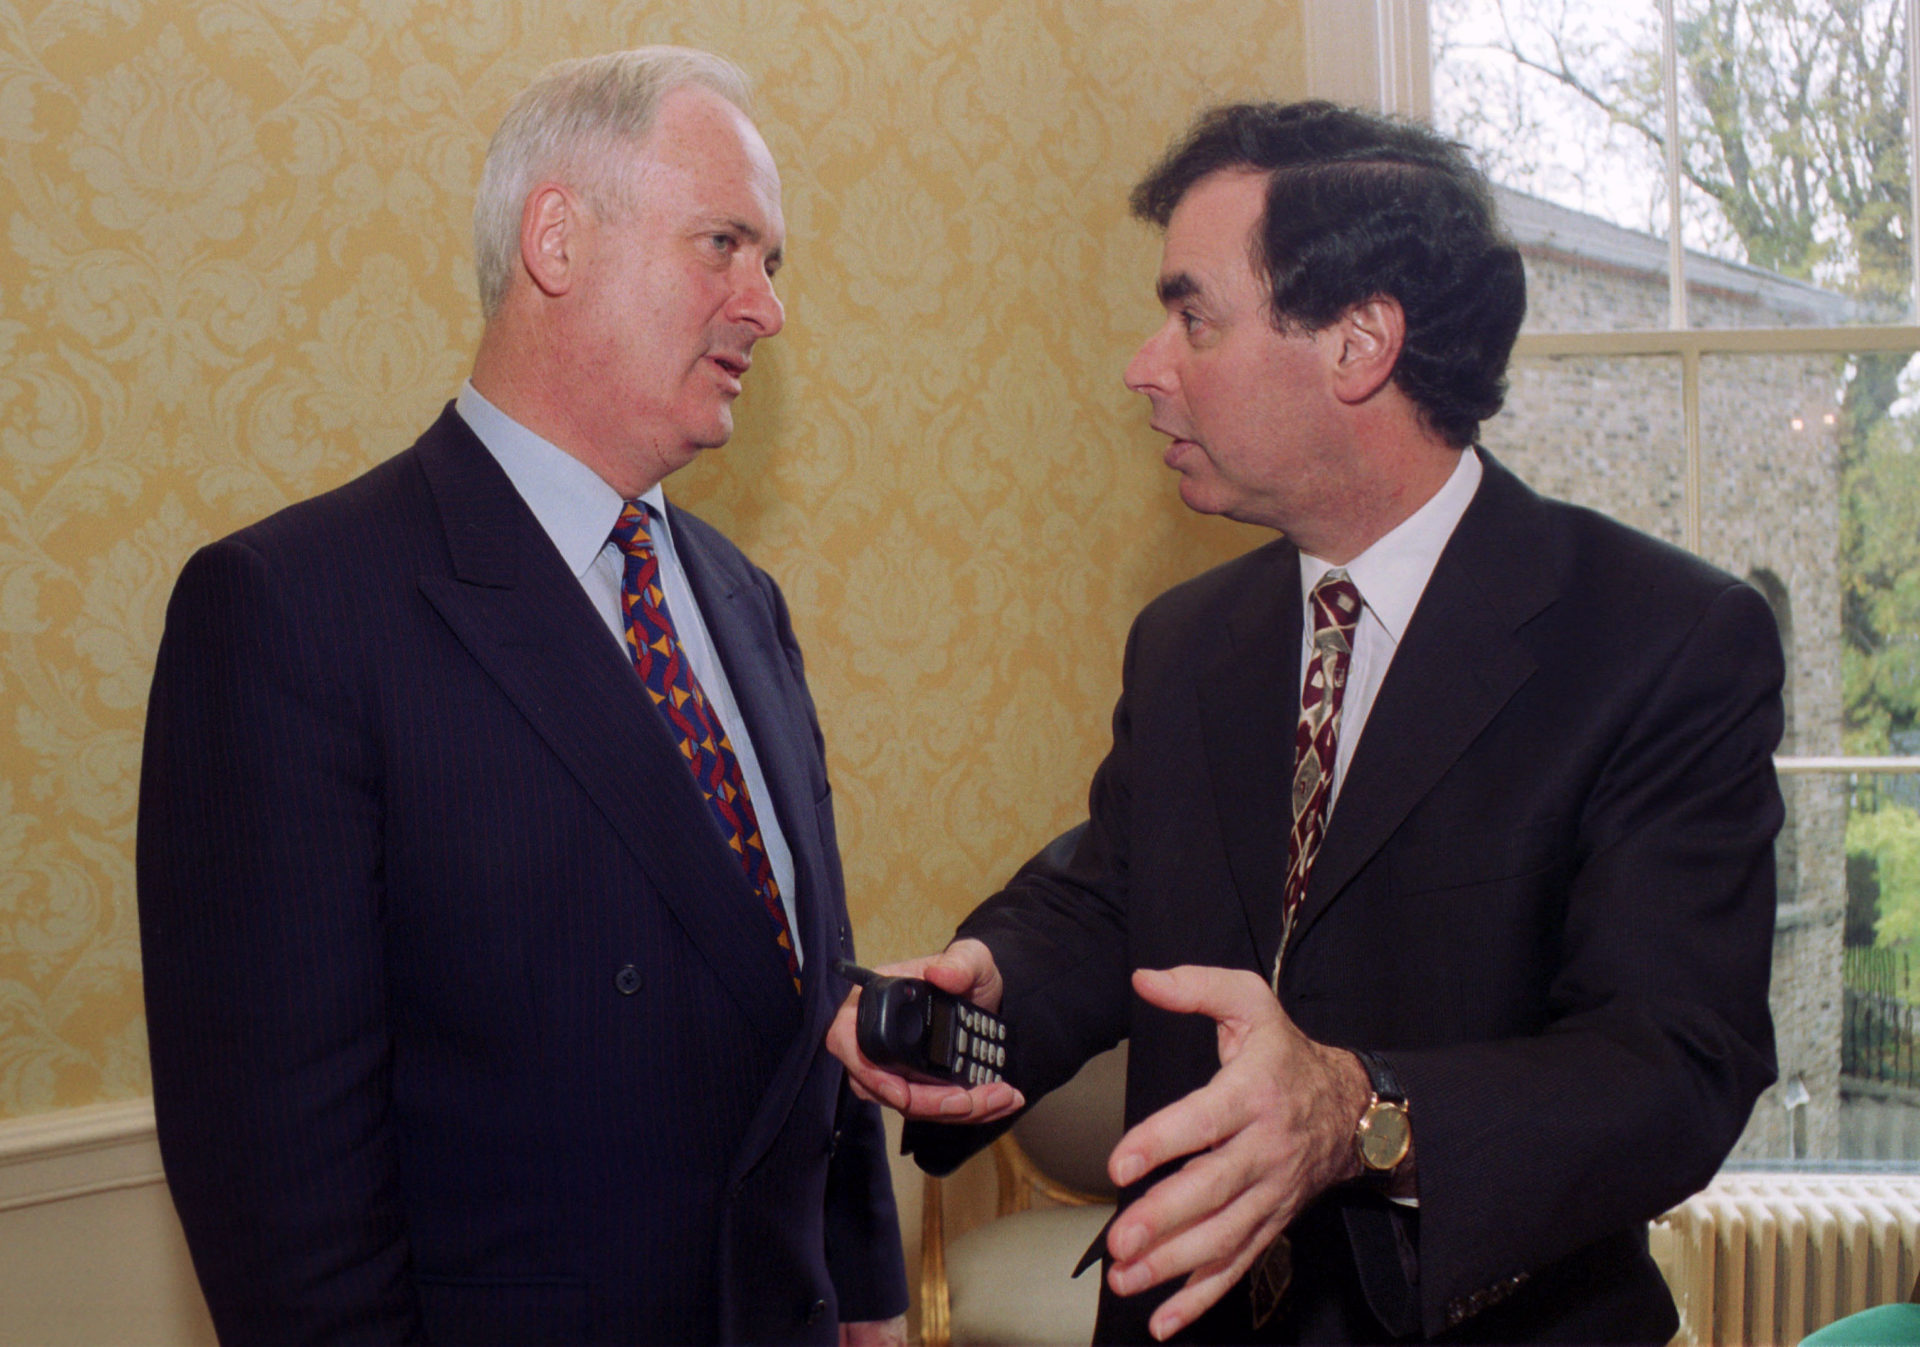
pixel 1609 431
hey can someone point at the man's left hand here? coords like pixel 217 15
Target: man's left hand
pixel 875 1333
pixel 1270 1132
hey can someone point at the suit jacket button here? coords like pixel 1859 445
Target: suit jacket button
pixel 627 981
pixel 816 1312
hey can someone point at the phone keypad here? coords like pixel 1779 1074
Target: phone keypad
pixel 980 1042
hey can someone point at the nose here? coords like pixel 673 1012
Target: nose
pixel 1147 371
pixel 756 304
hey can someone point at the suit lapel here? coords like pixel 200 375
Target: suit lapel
pixel 1459 662
pixel 764 689
pixel 524 618
pixel 1249 694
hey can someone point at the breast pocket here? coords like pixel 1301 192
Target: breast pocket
pixel 1470 857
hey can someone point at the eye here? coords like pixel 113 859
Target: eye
pixel 722 243
pixel 1189 321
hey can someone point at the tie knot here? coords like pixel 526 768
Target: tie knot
pixel 1336 607
pixel 630 533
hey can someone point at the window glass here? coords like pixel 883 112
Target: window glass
pixel 1601 431
pixel 1795 203
pixel 1794 147
pixel 1879 1006
pixel 1533 86
pixel 1774 436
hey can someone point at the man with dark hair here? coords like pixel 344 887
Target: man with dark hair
pixel 489 897
pixel 1430 872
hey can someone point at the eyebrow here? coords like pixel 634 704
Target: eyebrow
pixel 1172 289
pixel 752 235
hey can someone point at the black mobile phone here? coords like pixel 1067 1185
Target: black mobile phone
pixel 913 1027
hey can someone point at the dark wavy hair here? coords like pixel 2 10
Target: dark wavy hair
pixel 1360 206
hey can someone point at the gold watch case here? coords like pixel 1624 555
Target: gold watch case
pixel 1384 1135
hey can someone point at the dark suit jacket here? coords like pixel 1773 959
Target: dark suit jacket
pixel 465 1023
pixel 1545 896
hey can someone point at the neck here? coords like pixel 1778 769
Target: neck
pixel 521 375
pixel 1375 508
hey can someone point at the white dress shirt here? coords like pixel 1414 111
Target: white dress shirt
pixel 1391 576
pixel 578 510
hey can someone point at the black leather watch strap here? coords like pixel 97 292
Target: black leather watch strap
pixel 1380 1076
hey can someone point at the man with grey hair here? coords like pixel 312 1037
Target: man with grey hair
pixel 489 892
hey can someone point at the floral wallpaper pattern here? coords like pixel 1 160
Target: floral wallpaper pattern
pixel 235 270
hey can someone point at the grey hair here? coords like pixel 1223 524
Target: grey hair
pixel 572 120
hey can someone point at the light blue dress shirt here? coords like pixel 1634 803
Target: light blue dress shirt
pixel 578 511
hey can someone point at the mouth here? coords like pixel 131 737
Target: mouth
pixel 732 368
pixel 1177 447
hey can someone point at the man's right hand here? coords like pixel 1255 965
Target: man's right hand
pixel 965 968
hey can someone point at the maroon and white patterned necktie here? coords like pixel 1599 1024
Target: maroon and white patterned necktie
pixel 1336 613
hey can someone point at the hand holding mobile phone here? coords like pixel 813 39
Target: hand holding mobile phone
pixel 910 1026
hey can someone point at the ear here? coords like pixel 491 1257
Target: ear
pixel 550 225
pixel 1370 336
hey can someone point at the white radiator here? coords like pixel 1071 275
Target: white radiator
pixel 1768 1258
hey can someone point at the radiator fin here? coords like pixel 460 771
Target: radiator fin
pixel 1768 1258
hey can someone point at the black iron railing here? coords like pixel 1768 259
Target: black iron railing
pixel 1880 1026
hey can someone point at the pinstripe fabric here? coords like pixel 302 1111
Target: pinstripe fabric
pixel 460 1014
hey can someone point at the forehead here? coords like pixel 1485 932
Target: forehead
pixel 704 157
pixel 1210 235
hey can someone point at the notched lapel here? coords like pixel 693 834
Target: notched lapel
pixel 523 617
pixel 1248 690
pixel 745 637
pixel 778 722
pixel 1460 662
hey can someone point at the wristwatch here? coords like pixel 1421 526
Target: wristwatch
pixel 1383 1135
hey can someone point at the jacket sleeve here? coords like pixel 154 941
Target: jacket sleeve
pixel 1658 1036
pixel 864 1253
pixel 260 909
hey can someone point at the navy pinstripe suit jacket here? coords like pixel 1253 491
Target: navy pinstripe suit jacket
pixel 465 1024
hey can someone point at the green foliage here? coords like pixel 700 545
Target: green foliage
pixel 1891 836
pixel 1880 548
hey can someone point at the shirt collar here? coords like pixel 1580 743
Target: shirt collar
pixel 573 503
pixel 1392 574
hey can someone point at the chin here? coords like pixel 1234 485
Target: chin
pixel 1195 496
pixel 701 438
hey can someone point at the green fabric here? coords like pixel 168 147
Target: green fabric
pixel 1881 1326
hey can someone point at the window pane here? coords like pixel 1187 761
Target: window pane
pixel 1585 274
pixel 1801 1117
pixel 1531 87
pixel 1601 431
pixel 1534 87
pixel 1771 481
pixel 1794 151
pixel 1804 460
pixel 1794 174
pixel 1879 1010
pixel 1811 472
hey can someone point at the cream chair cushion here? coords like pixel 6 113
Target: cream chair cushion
pixel 1011 1282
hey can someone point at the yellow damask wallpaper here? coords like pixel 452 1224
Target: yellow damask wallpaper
pixel 235 271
